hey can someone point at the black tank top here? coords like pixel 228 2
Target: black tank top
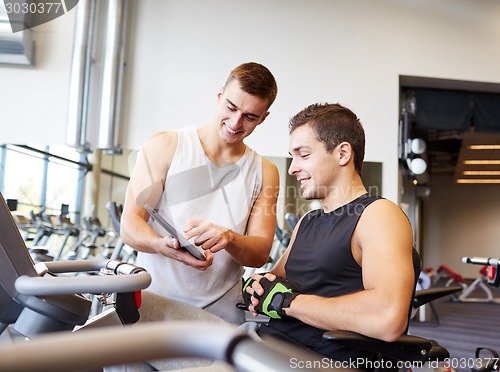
pixel 321 263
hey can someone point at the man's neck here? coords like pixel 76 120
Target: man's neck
pixel 344 193
pixel 218 151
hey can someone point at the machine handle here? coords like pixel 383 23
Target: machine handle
pixel 481 261
pixel 96 348
pixel 57 285
pixel 77 266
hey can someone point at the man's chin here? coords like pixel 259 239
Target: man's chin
pixel 232 138
pixel 307 196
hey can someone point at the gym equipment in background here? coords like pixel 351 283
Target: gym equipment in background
pixel 97 348
pixel 35 300
pixel 43 314
pixel 121 251
pixel 492 266
pixel 481 282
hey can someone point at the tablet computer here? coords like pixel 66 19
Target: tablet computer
pixel 191 248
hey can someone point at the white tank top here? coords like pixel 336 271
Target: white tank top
pixel 195 188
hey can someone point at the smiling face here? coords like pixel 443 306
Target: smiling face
pixel 238 112
pixel 312 165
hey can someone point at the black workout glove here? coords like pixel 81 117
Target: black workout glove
pixel 246 296
pixel 277 295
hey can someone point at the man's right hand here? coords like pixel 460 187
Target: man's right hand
pixel 268 295
pixel 170 247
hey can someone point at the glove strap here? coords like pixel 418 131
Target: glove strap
pixel 287 300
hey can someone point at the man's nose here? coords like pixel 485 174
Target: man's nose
pixel 292 170
pixel 236 119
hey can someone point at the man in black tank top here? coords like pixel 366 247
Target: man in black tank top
pixel 349 265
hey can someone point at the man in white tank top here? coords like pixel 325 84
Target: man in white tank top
pixel 213 188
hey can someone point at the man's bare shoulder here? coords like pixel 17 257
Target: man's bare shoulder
pixel 270 172
pixel 268 165
pixel 383 204
pixel 382 214
pixel 161 147
pixel 161 139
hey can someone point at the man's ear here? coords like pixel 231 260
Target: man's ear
pixel 345 153
pixel 219 94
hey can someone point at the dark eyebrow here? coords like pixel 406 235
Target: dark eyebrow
pixel 245 113
pixel 298 149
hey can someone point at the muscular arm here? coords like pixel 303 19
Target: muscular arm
pixel 253 248
pixel 383 244
pixel 146 186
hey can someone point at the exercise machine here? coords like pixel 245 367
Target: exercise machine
pixel 491 265
pixel 42 298
pixel 50 227
pixel 492 268
pixel 425 313
pixel 97 348
pixel 120 251
pixel 292 220
pixel 87 246
pixel 480 283
pixel 45 324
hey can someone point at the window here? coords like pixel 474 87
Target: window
pixel 42 178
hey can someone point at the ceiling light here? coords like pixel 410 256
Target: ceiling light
pixel 481 173
pixel 463 180
pixel 482 162
pixel 417 166
pixel 418 146
pixel 484 147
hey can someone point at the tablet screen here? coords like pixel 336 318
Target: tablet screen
pixel 191 248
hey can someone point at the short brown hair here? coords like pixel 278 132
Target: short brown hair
pixel 255 79
pixel 333 124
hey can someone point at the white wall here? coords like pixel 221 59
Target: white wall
pixel 459 221
pixel 347 51
pixel 33 100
